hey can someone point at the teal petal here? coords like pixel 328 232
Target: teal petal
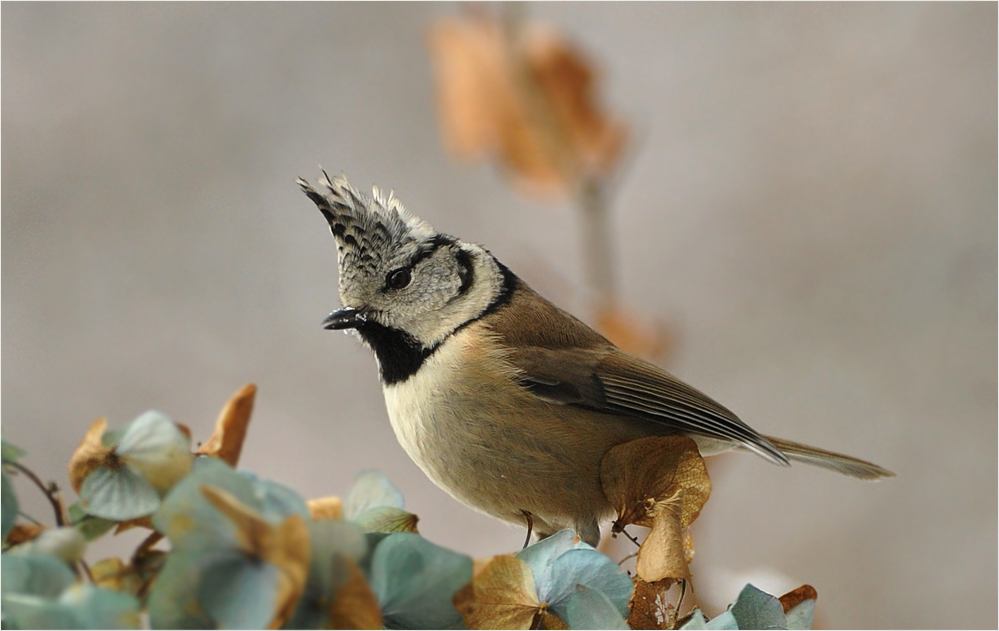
pixel 723 622
pixel 696 622
pixel 415 582
pixel 35 575
pixel 10 507
pixel 118 494
pixel 23 611
pixel 589 608
pixel 173 599
pixel 96 608
pixel 588 568
pixel 331 541
pixel 89 526
pixel 189 520
pixel 801 615
pixel 386 519
pixel 276 502
pixel 240 593
pixel 66 544
pixel 155 448
pixel 541 555
pixel 756 609
pixel 371 489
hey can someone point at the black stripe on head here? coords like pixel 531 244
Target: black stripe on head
pixel 466 271
pixel 399 354
pixel 428 250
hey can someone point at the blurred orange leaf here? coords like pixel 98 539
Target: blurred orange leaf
pixel 146 521
pixel 650 341
pixel 329 507
pixel 354 605
pixel 226 442
pixel 23 533
pixel 524 96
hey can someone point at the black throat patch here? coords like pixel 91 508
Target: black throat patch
pixel 399 354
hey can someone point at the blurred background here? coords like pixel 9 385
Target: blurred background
pixel 807 200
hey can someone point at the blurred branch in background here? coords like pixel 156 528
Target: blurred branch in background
pixel 519 94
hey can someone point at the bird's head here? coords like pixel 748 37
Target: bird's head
pixel 399 274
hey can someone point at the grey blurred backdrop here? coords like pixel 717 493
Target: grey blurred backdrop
pixel 812 205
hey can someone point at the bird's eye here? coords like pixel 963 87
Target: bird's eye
pixel 399 279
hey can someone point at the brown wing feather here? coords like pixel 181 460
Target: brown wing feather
pixel 566 362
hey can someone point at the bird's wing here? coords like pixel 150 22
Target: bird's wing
pixel 608 380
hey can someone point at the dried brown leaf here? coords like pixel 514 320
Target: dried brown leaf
pixel 89 455
pixel 797 596
pixel 569 83
pixel 661 555
pixel 133 578
pixel 649 607
pixel 354 605
pixel 226 441
pixel 23 533
pixel 688 546
pixel 525 97
pixel 286 546
pixel 474 88
pixel 551 621
pixel 329 507
pixel 639 474
pixel 146 521
pixel 501 596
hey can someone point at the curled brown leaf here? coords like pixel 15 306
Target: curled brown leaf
pixel 797 596
pixel 661 555
pixel 639 474
pixel 523 95
pixel 226 441
pixel 89 455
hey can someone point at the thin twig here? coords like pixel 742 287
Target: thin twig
pixel 627 558
pixel 51 492
pixel 628 536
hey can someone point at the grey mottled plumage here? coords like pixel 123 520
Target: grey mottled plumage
pixel 505 401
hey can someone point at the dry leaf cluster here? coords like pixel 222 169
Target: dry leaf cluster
pixel 523 96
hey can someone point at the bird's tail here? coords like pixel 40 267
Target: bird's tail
pixel 816 457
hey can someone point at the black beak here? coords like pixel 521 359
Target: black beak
pixel 346 318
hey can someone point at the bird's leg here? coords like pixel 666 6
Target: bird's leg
pixel 530 526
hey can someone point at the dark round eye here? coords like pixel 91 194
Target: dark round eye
pixel 399 279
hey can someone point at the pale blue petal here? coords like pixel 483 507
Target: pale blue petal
pixel 118 494
pixel 589 608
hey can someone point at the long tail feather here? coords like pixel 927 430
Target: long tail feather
pixel 839 463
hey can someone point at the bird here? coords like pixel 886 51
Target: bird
pixel 505 401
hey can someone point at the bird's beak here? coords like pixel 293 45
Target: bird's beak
pixel 346 318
